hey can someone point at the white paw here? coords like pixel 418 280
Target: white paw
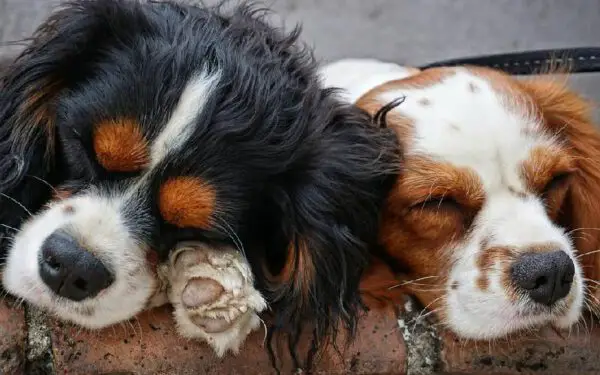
pixel 213 296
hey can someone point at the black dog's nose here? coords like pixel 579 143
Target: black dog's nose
pixel 546 277
pixel 71 271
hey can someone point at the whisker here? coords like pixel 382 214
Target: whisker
pixel 17 203
pixel 412 281
pixel 592 281
pixel 588 253
pixel 44 182
pixel 9 227
pixel 225 227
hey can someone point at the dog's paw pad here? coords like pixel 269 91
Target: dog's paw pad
pixel 201 291
pixel 213 296
pixel 209 325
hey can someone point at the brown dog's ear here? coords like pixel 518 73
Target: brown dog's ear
pixel 569 116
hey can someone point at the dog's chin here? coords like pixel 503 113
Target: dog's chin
pixel 505 319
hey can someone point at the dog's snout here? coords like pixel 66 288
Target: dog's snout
pixel 545 277
pixel 70 270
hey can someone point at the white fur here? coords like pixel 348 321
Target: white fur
pixel 481 130
pixel 178 129
pixel 357 76
pixel 97 221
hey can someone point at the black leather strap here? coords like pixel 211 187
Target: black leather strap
pixel 577 60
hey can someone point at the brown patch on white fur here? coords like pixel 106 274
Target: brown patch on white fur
pixel 120 146
pixel 487 259
pixel 187 202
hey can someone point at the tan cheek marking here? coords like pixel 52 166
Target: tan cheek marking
pixel 187 202
pixel 120 146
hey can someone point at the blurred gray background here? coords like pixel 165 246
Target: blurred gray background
pixel 404 31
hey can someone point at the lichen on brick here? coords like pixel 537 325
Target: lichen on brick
pixel 423 345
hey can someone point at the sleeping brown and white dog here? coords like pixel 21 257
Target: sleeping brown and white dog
pixel 494 220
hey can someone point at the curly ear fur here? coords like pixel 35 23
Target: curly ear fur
pixel 58 56
pixel 570 117
pixel 29 87
pixel 328 210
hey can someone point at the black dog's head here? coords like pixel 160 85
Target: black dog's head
pixel 127 127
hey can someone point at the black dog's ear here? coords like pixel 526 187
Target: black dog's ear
pixel 57 57
pixel 330 221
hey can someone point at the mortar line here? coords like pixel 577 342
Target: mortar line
pixel 421 340
pixel 39 356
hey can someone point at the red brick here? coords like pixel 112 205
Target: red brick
pixel 151 346
pixel 545 352
pixel 13 338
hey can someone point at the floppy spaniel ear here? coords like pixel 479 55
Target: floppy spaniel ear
pixel 57 57
pixel 569 116
pixel 329 217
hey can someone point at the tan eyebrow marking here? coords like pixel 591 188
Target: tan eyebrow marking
pixel 120 145
pixel 187 202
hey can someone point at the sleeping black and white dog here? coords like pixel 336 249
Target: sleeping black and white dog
pixel 152 149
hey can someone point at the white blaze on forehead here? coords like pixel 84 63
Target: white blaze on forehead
pixel 464 121
pixel 180 127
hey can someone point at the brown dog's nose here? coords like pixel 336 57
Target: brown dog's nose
pixel 71 271
pixel 545 277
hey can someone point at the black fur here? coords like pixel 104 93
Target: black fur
pixel 290 163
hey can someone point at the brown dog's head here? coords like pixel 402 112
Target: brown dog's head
pixel 494 216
